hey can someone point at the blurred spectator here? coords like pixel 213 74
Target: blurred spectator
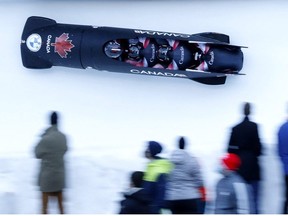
pixel 245 142
pixel 51 150
pixel 283 153
pixel 155 177
pixel 8 188
pixel 136 199
pixel 185 188
pixel 233 194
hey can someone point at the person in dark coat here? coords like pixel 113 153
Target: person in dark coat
pixel 51 150
pixel 136 199
pixel 245 142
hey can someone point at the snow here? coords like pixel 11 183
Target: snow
pixel 108 117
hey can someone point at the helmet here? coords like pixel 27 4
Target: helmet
pixel 163 53
pixel 113 49
pixel 134 51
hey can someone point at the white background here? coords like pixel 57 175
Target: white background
pixel 109 116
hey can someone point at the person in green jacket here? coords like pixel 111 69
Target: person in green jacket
pixel 51 150
pixel 155 177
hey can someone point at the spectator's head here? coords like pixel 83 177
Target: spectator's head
pixel 153 149
pixel 247 109
pixel 54 118
pixel 231 162
pixel 181 143
pixel 137 179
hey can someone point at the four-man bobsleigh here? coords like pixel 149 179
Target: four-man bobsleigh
pixel 205 57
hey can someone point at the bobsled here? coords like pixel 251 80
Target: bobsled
pixel 203 57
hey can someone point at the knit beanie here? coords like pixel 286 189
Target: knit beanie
pixel 154 148
pixel 181 143
pixel 247 109
pixel 231 161
pixel 54 118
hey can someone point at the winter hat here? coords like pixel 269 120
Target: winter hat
pixel 247 109
pixel 154 148
pixel 231 161
pixel 54 118
pixel 137 178
pixel 181 143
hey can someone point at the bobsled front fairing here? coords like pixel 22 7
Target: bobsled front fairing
pixel 206 57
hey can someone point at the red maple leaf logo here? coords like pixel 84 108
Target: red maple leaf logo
pixel 62 45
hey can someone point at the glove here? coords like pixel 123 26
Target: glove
pixel 202 191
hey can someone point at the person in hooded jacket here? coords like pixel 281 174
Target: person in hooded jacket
pixel 155 177
pixel 233 194
pixel 51 150
pixel 185 187
pixel 136 199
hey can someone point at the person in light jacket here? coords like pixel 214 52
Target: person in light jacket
pixel 233 194
pixel 185 188
pixel 51 150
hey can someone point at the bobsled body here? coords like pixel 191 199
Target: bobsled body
pixel 204 57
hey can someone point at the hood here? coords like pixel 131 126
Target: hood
pixel 179 156
pixel 49 130
pixel 137 194
pixel 131 191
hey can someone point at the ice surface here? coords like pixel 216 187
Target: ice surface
pixel 109 116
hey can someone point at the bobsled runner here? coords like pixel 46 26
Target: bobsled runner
pixel 204 57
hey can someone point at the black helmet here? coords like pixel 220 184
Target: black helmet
pixel 134 51
pixel 163 53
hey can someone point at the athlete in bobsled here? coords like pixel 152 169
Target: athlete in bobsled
pixel 171 54
pixel 158 53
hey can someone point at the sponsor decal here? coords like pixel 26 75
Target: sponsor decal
pixel 181 61
pixel 153 51
pixel 162 33
pixel 211 61
pixel 34 42
pixel 48 43
pixel 157 73
pixel 62 45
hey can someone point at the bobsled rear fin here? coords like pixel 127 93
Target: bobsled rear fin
pixel 210 80
pixel 217 43
pixel 214 37
pixel 206 77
